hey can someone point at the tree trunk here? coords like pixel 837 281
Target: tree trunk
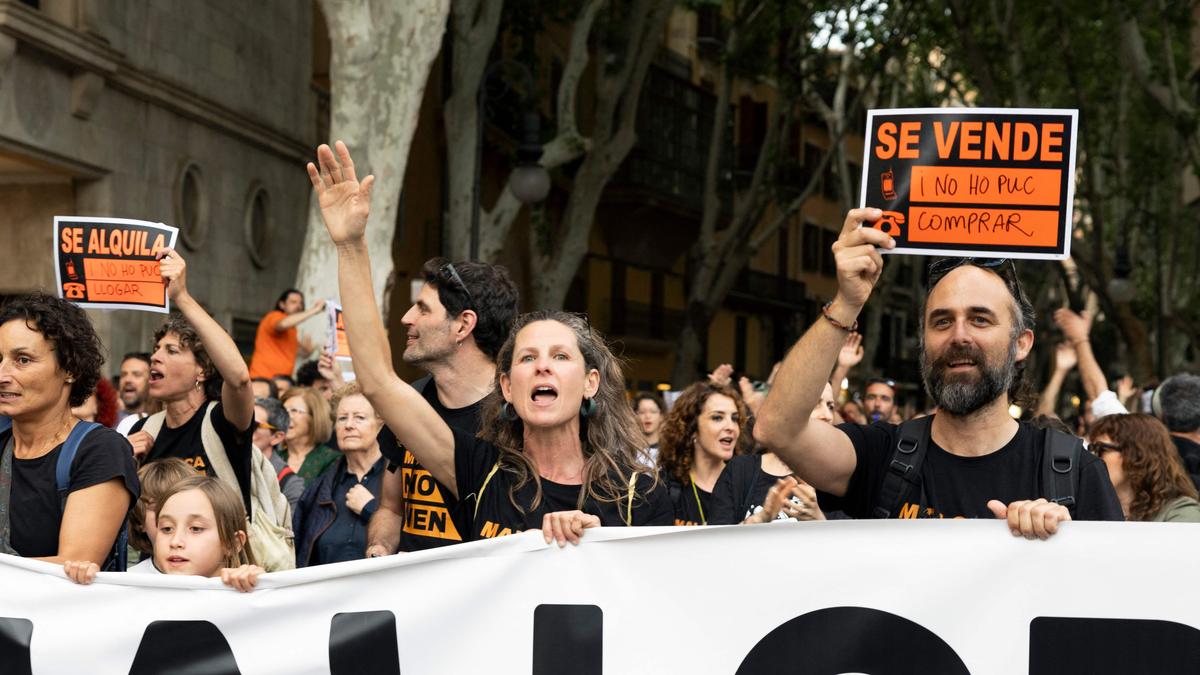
pixel 613 136
pixel 382 53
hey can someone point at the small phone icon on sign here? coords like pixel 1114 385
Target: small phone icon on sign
pixel 889 185
pixel 74 291
pixel 890 223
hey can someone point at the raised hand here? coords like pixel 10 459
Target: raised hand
pixel 1064 357
pixel 173 269
pixel 1075 326
pixel 722 376
pixel 852 352
pixel 345 202
pixel 859 263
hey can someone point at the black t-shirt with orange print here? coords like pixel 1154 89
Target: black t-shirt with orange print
pixel 474 461
pixel 433 517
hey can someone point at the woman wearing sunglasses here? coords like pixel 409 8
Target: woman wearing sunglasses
pixel 1145 469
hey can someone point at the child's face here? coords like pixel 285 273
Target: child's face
pixel 186 540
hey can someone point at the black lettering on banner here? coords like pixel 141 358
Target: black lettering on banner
pixel 1079 646
pixel 568 639
pixel 15 636
pixel 363 642
pixel 183 648
pixel 852 640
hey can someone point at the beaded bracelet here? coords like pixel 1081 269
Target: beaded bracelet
pixel 837 324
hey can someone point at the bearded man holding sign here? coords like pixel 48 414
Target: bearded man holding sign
pixel 971 459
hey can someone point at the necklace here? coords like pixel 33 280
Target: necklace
pixel 54 440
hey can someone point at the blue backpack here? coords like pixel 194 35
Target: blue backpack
pixel 119 557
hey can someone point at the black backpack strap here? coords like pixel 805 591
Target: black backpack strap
pixel 118 558
pixel 904 469
pixel 1061 455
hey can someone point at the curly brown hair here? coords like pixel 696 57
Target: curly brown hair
pixel 1150 461
pixel 189 339
pixel 612 443
pixel 676 453
pixel 77 349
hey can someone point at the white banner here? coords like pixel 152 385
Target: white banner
pixel 930 597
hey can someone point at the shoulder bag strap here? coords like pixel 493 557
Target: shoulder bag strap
pixel 903 473
pixel 479 494
pixel 1060 467
pixel 629 500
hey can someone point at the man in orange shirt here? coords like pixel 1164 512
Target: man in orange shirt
pixel 275 343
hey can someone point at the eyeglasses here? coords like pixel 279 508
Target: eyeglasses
pixel 448 268
pixel 1100 447
pixel 296 411
pixel 943 266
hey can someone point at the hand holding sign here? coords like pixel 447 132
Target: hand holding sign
pixel 345 203
pixel 173 268
pixel 858 261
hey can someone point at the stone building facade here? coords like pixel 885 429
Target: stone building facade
pixel 194 113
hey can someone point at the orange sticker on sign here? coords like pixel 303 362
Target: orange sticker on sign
pixel 110 263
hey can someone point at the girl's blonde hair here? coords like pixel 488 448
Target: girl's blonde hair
pixel 229 512
pixel 156 478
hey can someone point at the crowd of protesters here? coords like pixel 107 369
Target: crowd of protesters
pixel 192 461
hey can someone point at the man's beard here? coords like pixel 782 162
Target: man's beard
pixel 963 395
pixel 422 353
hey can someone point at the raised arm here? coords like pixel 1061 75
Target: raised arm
pixel 820 453
pixel 1064 361
pixel 292 320
pixel 851 355
pixel 345 205
pixel 1077 328
pixel 236 393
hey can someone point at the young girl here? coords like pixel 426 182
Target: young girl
pixel 200 528
pixel 156 478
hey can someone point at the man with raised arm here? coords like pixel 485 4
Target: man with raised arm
pixel 456 325
pixel 978 462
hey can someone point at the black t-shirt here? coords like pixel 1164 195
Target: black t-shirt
pixel 741 490
pixel 691 504
pixel 475 458
pixel 432 515
pixel 960 487
pixel 34 505
pixel 186 443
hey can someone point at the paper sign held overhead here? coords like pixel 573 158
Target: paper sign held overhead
pixel 337 342
pixel 109 263
pixel 988 182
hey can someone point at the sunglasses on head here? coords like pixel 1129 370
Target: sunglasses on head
pixel 882 380
pixel 448 270
pixel 1100 447
pixel 943 266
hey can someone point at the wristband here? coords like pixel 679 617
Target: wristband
pixel 837 324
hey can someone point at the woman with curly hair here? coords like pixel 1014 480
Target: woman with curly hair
pixel 1145 468
pixel 558 447
pixel 698 436
pixel 198 374
pixel 50 359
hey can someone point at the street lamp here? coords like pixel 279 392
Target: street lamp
pixel 529 182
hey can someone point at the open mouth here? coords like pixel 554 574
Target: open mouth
pixel 544 394
pixel 156 375
pixel 8 395
pixel 727 442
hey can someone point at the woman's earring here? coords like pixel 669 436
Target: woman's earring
pixel 587 408
pixel 508 413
